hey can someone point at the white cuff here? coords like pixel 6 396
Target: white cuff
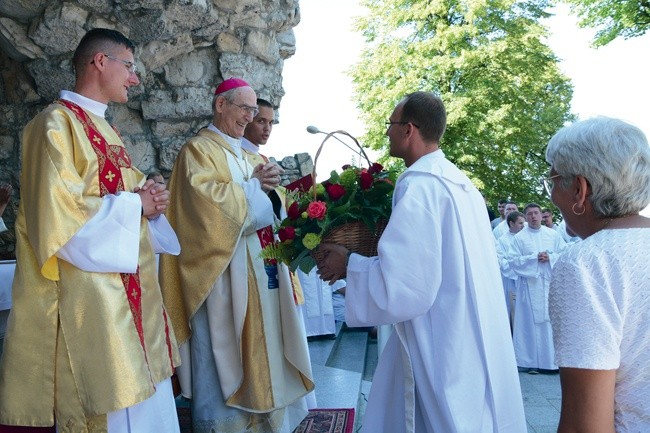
pixel 110 240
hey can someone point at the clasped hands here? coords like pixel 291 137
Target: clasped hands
pixel 542 257
pixel 155 198
pixel 269 175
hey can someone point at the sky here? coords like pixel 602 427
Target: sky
pixel 610 80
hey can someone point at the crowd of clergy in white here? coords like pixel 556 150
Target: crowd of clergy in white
pixel 528 245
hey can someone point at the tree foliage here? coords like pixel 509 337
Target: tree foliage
pixel 502 88
pixel 613 18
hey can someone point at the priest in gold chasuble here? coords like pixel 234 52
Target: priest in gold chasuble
pixel 89 344
pixel 245 359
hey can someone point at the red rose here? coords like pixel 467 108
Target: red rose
pixel 287 233
pixel 335 191
pixel 375 168
pixel 316 210
pixel 294 211
pixel 366 180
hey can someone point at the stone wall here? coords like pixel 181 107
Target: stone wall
pixel 184 48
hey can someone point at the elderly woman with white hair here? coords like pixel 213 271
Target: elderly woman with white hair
pixel 600 290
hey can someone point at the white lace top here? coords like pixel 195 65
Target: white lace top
pixel 599 306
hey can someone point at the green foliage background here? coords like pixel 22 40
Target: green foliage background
pixel 504 93
pixel 613 18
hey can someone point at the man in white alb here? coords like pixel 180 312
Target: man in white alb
pixel 502 228
pixel 449 365
pixel 535 250
pixel 515 221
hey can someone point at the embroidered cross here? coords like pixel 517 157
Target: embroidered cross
pixel 134 294
pixel 110 175
pixel 96 139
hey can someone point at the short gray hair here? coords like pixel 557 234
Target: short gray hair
pixel 228 94
pixel 613 155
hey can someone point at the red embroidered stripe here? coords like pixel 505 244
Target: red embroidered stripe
pixel 111 158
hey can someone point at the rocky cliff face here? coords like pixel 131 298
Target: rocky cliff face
pixel 184 48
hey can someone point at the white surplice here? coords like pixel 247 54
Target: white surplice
pixel 318 310
pixel 508 276
pixel 449 366
pixel 532 333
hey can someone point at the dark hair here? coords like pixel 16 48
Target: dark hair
pixel 97 40
pixel 531 205
pixel 264 103
pixel 512 217
pixel 502 201
pixel 427 111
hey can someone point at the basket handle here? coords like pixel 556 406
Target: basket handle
pixel 320 148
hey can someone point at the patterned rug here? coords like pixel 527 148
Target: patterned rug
pixel 327 421
pixel 318 421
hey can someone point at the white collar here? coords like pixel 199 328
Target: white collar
pixel 248 145
pixel 97 108
pixel 235 143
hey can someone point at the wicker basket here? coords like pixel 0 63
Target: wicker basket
pixel 355 236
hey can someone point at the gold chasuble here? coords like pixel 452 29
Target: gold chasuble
pixel 79 344
pixel 258 344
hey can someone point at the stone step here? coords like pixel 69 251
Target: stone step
pixel 338 367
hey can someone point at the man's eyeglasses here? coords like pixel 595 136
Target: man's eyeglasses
pixel 548 183
pixel 389 124
pixel 246 108
pixel 129 65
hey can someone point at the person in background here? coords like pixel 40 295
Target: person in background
pixel 535 250
pixel 547 219
pixel 5 196
pixel 258 131
pixel 569 238
pixel 245 357
pixel 501 206
pixel 449 365
pixel 502 228
pixel 5 281
pixel 600 290
pixel 157 177
pixel 318 309
pixel 256 135
pixel 88 341
pixel 505 243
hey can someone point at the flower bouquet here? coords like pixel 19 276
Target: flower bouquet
pixel 350 208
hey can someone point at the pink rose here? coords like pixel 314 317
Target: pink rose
pixel 294 211
pixel 335 191
pixel 317 210
pixel 287 233
pixel 375 168
pixel 366 180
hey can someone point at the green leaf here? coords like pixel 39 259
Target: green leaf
pixel 503 89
